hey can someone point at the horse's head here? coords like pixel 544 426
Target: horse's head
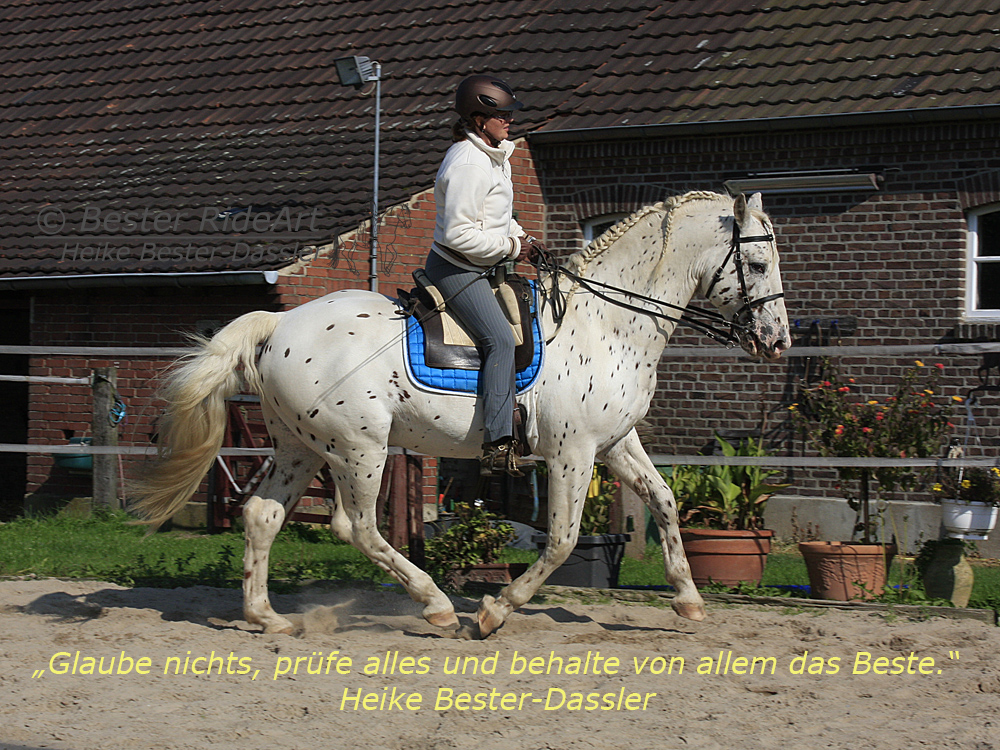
pixel 746 287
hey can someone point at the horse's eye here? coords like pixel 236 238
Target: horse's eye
pixel 758 268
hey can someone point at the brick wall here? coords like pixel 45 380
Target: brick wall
pixel 893 259
pixel 405 235
pixel 161 317
pixel 119 317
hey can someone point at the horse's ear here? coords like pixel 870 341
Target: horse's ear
pixel 740 210
pixel 755 203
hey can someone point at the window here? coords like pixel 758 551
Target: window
pixel 983 278
pixel 594 228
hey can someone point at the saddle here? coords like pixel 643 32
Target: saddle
pixel 448 344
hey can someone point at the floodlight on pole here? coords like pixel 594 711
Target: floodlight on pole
pixel 356 71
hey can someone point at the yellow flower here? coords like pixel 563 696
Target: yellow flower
pixel 919 363
pixel 937 487
pixel 873 402
pixel 966 484
pixel 957 399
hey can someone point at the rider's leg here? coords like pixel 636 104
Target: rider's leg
pixel 472 300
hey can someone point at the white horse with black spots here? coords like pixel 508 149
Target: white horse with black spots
pixel 334 390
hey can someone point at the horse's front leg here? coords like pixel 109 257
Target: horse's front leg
pixel 568 480
pixel 263 516
pixel 628 461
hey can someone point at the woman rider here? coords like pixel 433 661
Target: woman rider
pixel 475 231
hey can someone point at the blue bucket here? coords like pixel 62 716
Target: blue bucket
pixel 83 462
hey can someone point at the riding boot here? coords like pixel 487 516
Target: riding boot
pixel 502 457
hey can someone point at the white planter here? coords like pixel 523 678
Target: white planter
pixel 968 520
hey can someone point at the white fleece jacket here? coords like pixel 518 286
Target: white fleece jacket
pixel 475 204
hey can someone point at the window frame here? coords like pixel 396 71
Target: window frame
pixel 587 225
pixel 972 263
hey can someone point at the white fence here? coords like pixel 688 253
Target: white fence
pixel 891 352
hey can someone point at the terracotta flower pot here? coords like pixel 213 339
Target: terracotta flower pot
pixel 843 571
pixel 726 557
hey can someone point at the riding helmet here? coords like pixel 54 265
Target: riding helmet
pixel 485 94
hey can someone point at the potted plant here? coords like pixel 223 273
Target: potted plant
pixel 722 510
pixel 469 549
pixel 969 502
pixel 596 560
pixel 839 420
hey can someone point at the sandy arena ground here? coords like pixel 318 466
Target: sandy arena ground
pixel 277 691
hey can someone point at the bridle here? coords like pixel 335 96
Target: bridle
pixel 708 322
pixel 736 253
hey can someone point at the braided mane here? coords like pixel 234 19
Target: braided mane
pixel 577 263
pixel 599 246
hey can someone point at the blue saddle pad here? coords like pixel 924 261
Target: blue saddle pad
pixel 448 380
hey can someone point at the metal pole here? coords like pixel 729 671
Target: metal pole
pixel 377 68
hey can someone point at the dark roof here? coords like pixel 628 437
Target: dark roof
pixel 189 109
pixel 698 61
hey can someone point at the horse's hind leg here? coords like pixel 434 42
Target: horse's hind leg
pixel 628 461
pixel 263 516
pixel 358 477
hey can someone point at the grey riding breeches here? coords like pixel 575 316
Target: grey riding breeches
pixel 472 300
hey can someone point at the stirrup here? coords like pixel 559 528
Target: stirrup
pixel 502 458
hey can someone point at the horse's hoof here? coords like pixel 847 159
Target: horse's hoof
pixel 491 616
pixel 281 626
pixel 689 611
pixel 447 619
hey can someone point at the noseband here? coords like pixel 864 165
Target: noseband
pixel 736 253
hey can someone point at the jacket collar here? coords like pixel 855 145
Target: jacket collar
pixel 500 154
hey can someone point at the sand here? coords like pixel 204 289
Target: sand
pixel 816 681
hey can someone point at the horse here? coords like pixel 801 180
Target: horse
pixel 334 390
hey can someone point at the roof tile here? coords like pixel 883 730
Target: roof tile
pixel 199 105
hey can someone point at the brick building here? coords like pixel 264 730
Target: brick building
pixel 871 129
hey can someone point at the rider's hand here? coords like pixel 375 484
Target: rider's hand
pixel 531 249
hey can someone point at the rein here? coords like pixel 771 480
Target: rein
pixel 710 322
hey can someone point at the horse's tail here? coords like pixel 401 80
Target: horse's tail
pixel 192 430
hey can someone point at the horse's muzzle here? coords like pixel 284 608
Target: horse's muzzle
pixel 762 336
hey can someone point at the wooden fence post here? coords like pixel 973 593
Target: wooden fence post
pixel 415 509
pixel 397 508
pixel 406 505
pixel 105 432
